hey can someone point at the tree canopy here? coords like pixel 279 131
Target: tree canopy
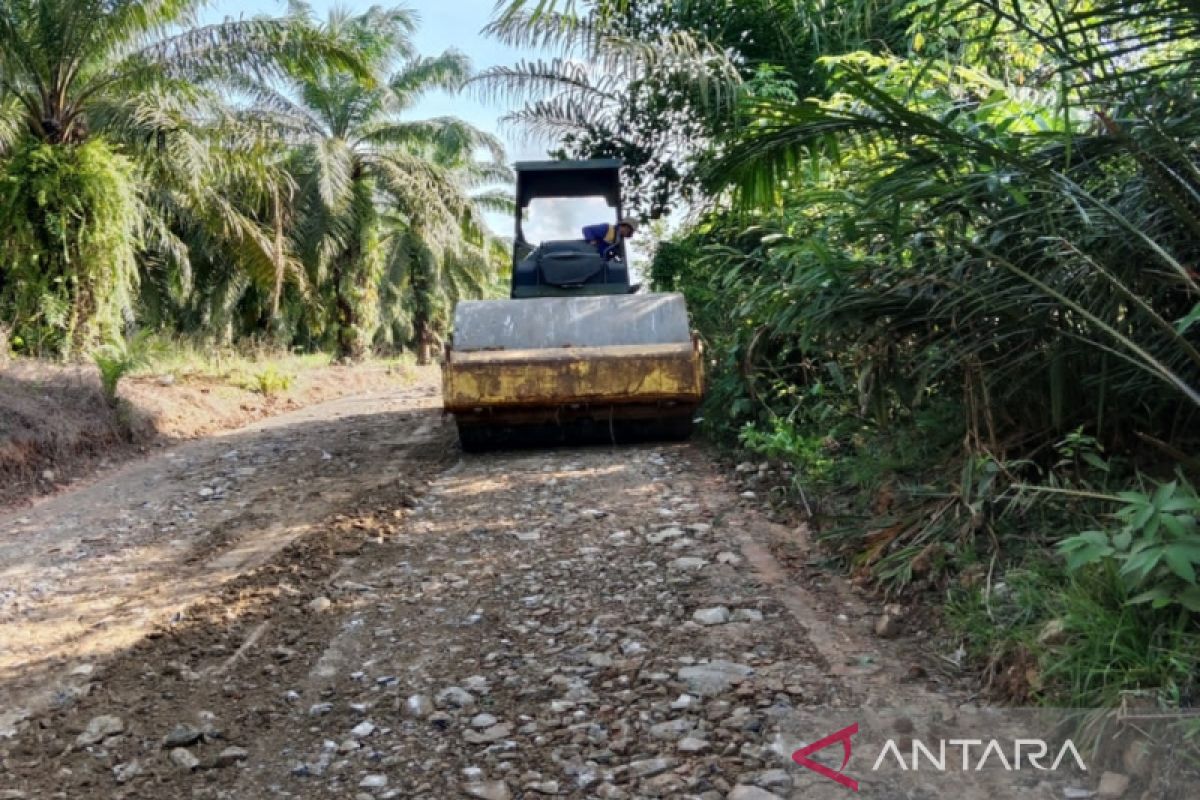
pixel 249 177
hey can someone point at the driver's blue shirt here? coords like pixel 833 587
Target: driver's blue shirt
pixel 604 236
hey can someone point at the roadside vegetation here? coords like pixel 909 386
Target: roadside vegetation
pixel 257 179
pixel 944 255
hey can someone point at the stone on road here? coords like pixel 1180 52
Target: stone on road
pixel 603 622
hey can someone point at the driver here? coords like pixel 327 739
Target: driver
pixel 607 238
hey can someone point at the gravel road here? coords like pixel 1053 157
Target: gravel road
pixel 336 603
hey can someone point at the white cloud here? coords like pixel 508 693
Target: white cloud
pixel 555 218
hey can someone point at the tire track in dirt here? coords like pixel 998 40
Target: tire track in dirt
pixel 84 574
pixel 525 626
pixel 602 622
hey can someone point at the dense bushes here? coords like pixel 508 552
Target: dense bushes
pixel 945 264
pixel 71 223
pixel 971 319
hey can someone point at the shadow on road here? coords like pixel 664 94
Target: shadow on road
pixel 85 574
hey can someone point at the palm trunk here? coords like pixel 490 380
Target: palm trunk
pixel 422 325
pixel 343 313
pixel 425 344
pixel 346 317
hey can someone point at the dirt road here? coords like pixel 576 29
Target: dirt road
pixel 337 604
pixel 85 574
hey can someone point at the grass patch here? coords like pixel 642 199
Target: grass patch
pixel 1044 635
pixel 269 381
pixel 185 359
pixel 1068 579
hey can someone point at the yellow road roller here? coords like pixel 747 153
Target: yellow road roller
pixel 578 354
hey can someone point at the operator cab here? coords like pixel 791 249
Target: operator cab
pixel 567 267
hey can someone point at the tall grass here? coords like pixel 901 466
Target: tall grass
pixel 184 357
pixel 961 273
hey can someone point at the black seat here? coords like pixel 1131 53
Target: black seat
pixel 567 265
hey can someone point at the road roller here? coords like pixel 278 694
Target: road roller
pixel 578 353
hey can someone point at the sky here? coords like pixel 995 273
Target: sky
pixel 445 24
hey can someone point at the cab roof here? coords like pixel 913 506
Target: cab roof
pixel 597 177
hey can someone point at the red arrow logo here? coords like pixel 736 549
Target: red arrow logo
pixel 801 756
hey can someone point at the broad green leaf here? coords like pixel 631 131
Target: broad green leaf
pixel 1190 598
pixel 1188 550
pixel 1180 564
pixel 1087 554
pixel 1174 525
pixel 1143 563
pixel 1141 545
pixel 1155 594
pixel 1164 493
pixel 1143 517
pixel 1182 503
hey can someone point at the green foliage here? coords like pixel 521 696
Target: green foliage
pixel 1155 546
pixel 142 79
pixel 621 81
pixel 388 211
pixel 253 177
pixel 269 381
pixel 120 357
pixel 72 68
pixel 810 454
pixel 1102 646
pixel 658 84
pixel 942 261
pixel 69 228
pixel 113 363
pixel 186 358
pixel 1114 646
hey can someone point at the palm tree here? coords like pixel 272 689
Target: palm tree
pixel 100 99
pixel 616 84
pixel 382 201
pixel 72 68
pixel 421 284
